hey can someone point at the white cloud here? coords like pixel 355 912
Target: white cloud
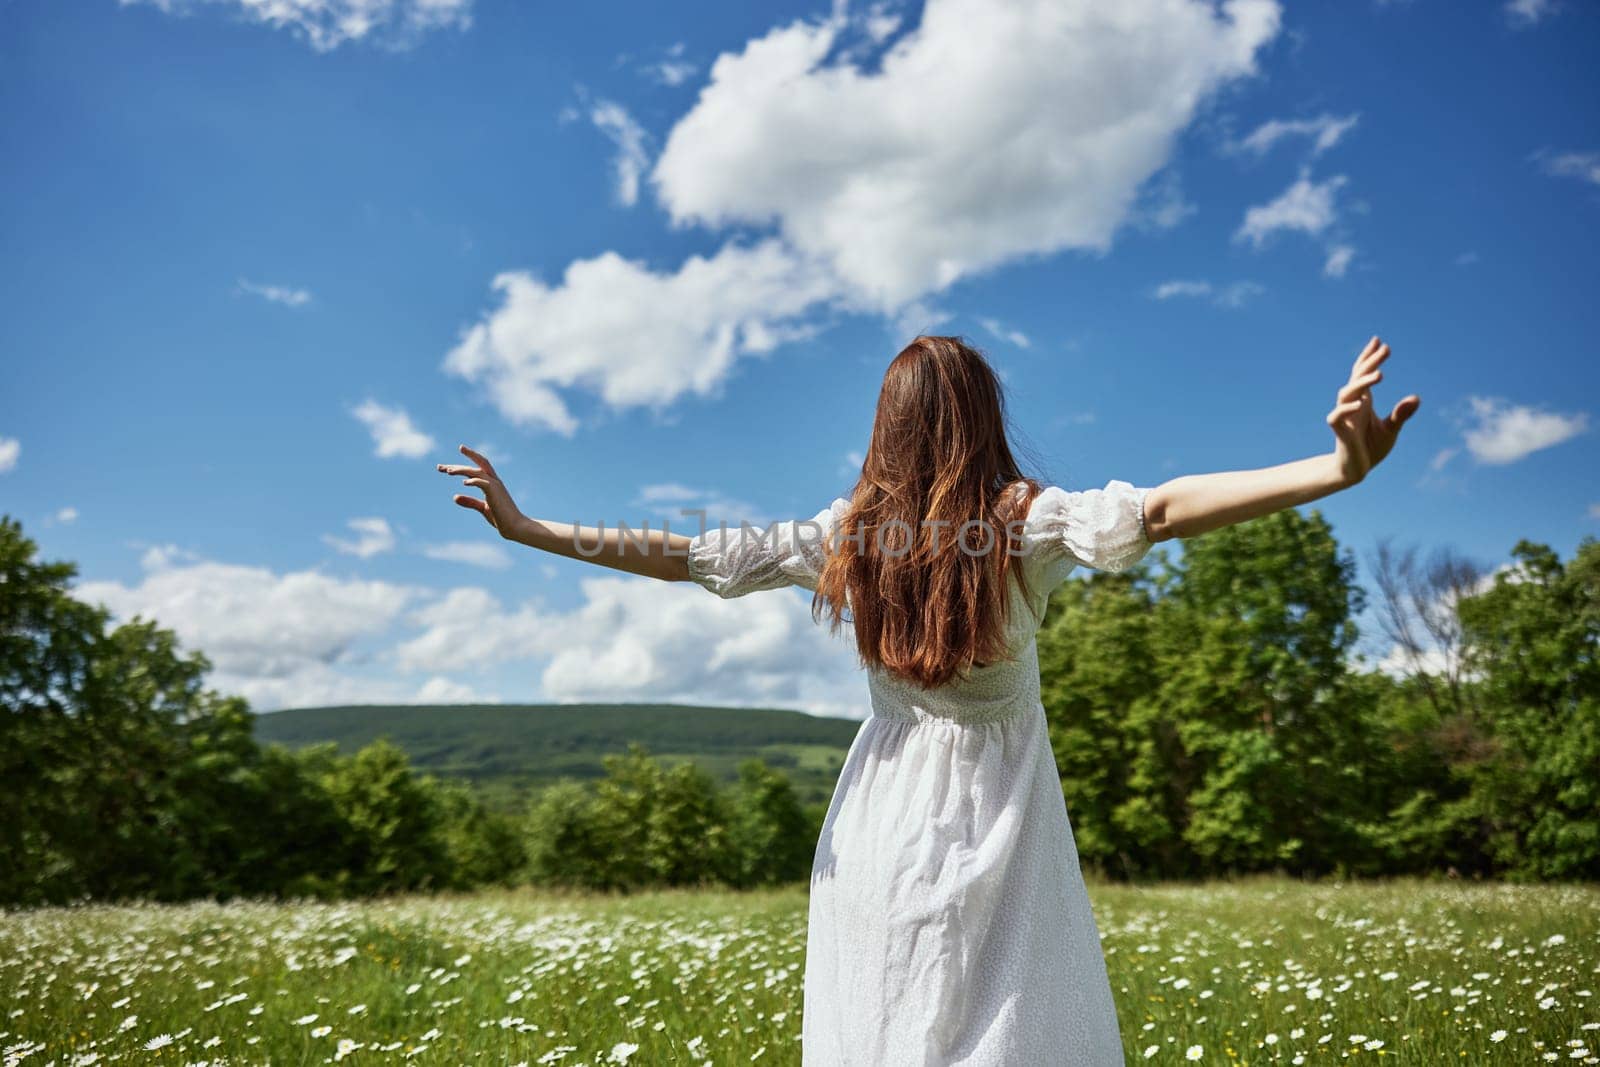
pixel 306 638
pixel 326 24
pixel 1306 206
pixel 442 690
pixel 885 184
pixel 10 451
pixel 1338 261
pixel 637 639
pixel 674 70
pixel 948 160
pixel 880 23
pixel 1161 204
pixel 1441 457
pixel 373 536
pixel 1168 290
pixel 635 336
pixel 473 553
pixel 670 501
pixel 1585 166
pixel 1232 295
pixel 1524 13
pixel 276 639
pixel 67 516
pixel 392 431
pixel 629 137
pixel 1466 259
pixel 1505 433
pixel 276 294
pixel 1325 131
pixel 1006 333
pixel 159 557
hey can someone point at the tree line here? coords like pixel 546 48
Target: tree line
pixel 1206 714
pixel 124 777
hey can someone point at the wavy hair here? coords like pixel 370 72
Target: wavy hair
pixel 923 553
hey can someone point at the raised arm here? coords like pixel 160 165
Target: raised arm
pixel 652 553
pixel 1196 503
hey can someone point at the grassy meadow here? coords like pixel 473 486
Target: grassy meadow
pixel 1253 972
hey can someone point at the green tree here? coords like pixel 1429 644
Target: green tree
pixel 392 821
pixel 771 839
pixel 563 840
pixel 482 846
pixel 1532 642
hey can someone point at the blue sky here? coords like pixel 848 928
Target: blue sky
pixel 262 276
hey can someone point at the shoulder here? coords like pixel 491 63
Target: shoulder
pixel 1101 526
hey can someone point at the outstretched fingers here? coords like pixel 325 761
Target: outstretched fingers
pixel 1356 386
pixel 1349 407
pixel 481 460
pixel 473 503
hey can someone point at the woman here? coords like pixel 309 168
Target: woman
pixel 948 918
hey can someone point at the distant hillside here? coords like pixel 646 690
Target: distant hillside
pixel 508 748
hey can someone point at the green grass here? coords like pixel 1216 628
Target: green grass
pixel 507 749
pixel 1252 973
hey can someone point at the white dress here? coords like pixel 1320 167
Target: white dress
pixel 949 923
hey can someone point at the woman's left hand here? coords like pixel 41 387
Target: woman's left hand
pixel 1363 439
pixel 496 507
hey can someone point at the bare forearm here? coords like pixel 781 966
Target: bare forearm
pixel 652 553
pixel 1197 503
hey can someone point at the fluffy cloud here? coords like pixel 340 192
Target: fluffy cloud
pixel 635 639
pixel 1338 261
pixel 474 553
pixel 442 690
pixel 671 500
pixel 1524 13
pixel 1306 206
pixel 629 137
pixel 393 433
pixel 307 638
pixel 372 537
pixel 949 159
pixel 326 24
pixel 1006 333
pixel 634 336
pixel 674 70
pixel 1504 433
pixel 275 294
pixel 1585 166
pixel 1168 290
pixel 1232 295
pixel 1324 131
pixel 10 451
pixel 885 183
pixel 276 639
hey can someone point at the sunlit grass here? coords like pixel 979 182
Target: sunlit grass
pixel 1265 971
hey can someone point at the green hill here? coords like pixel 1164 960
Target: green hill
pixel 510 748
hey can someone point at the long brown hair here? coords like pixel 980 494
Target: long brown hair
pixel 924 607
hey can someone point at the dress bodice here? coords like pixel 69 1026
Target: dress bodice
pixel 1099 528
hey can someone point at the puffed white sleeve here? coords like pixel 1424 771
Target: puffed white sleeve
pixel 734 560
pixel 1099 528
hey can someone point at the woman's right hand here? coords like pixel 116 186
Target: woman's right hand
pixel 1362 438
pixel 496 507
